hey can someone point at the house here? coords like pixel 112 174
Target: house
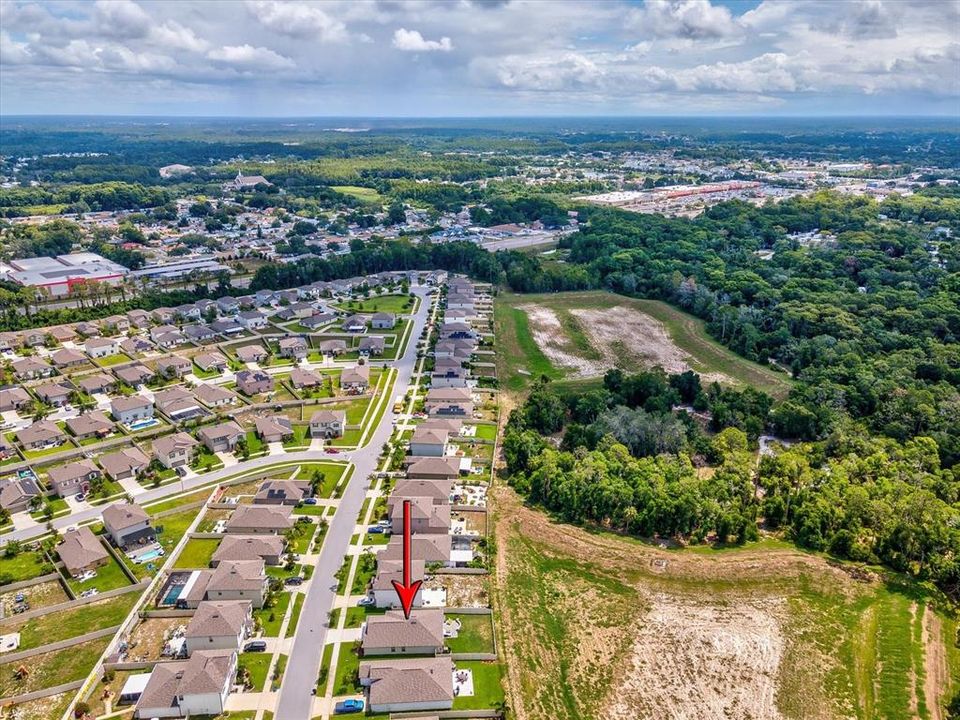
pixel 429 442
pixel 393 634
pixel 251 353
pixel 136 346
pixel 178 403
pixel 227 327
pixel 66 358
pixel 333 347
pixel 228 305
pixel 174 450
pixel 72 478
pixel 163 315
pixel 31 368
pixel 247 302
pixel 355 324
pixel 42 434
pixel 195 687
pixel 213 361
pixel 139 319
pixel 55 394
pixel 199 333
pixel 427 515
pixel 81 551
pixel 281 492
pixel 254 382
pixel 166 336
pixel 433 549
pixel 293 347
pixel 134 375
pixel 318 320
pixel 383 321
pixel 187 312
pixel 17 493
pixel 263 297
pixel 208 308
pixel 93 424
pixel 275 428
pixel 371 345
pixel 222 437
pixel 87 329
pixel 62 333
pixel 33 338
pixel 214 396
pixel 128 525
pixel 355 380
pixel 384 594
pixel 99 347
pixel 260 520
pixel 296 311
pixel 449 401
pixel 328 423
pixel 238 580
pixel 116 324
pixel 439 490
pixel 457 331
pixel 97 383
pixel 14 398
pixel 301 378
pixel 449 377
pixel 429 468
pixel 252 320
pixel 173 366
pixel 124 464
pixel 219 626
pixel 10 341
pixel 407 684
pixel 131 408
pixel 269 548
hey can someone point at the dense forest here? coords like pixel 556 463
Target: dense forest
pixel 629 456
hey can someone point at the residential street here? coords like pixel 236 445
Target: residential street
pixel 296 701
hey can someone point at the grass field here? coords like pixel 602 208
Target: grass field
pixel 64 624
pixel 197 553
pixel 23 566
pixel 54 668
pixel 395 304
pixel 366 195
pixel 475 634
pixel 272 617
pixel 109 577
pixel 257 665
pixel 641 333
pixel 598 626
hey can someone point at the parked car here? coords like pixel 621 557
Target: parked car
pixel 255 646
pixel 348 706
pixel 375 530
pixel 364 601
pixel 295 580
pixel 332 451
pixel 310 501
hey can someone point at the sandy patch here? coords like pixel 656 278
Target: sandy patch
pixel 642 337
pixel 936 677
pixel 548 333
pixel 463 590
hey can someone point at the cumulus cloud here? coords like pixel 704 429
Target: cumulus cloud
pixel 696 19
pixel 413 41
pixel 248 57
pixel 299 20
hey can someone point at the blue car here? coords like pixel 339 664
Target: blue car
pixel 348 706
pixel 310 501
pixel 375 530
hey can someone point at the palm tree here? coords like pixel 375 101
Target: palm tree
pixel 41 410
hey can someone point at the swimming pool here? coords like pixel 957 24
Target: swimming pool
pixel 151 555
pixel 141 424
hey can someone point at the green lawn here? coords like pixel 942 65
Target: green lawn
pixel 486 432
pixel 171 528
pixel 74 622
pixel 24 566
pixel 257 665
pixel 487 685
pixel 348 665
pixel 58 506
pixel 302 534
pixel 475 635
pixel 197 553
pixel 300 437
pixel 178 501
pixel 111 360
pixel 34 454
pixel 357 615
pixel 53 668
pixel 324 672
pixel 364 194
pixel 205 374
pixel 366 569
pixel 278 671
pixel 330 472
pixel 205 460
pixel 295 614
pixel 255 445
pixel 271 618
pixel 394 304
pixel 108 577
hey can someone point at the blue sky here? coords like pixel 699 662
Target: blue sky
pixel 480 57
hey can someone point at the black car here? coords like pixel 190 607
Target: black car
pixel 255 646
pixel 294 580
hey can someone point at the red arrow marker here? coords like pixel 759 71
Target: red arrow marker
pixel 406 590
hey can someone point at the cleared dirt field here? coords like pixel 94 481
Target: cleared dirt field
pixel 582 334
pixel 598 626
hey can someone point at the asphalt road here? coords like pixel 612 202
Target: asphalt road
pixel 296 700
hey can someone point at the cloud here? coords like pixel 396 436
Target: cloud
pixel 298 20
pixel 174 35
pixel 122 19
pixel 696 19
pixel 413 41
pixel 247 57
